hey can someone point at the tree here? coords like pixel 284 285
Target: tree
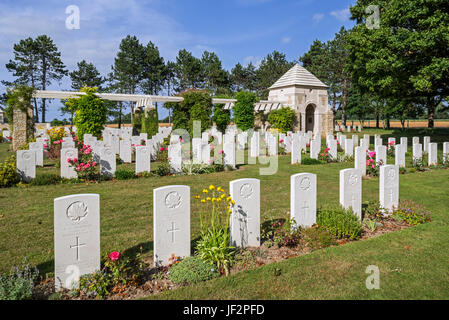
pixel 154 70
pixel 128 68
pixel 188 71
pixel 214 76
pixel 50 66
pixel 243 78
pixel 244 110
pixel 406 58
pixel 37 63
pixel 86 75
pixel 24 67
pixel 272 67
pixel 329 63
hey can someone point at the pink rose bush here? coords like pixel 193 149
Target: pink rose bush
pixel 372 168
pixel 84 164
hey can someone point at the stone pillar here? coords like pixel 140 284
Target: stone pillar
pixel 23 127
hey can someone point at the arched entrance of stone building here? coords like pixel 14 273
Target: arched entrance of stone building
pixel 310 117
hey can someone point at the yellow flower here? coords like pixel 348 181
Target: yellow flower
pixel 222 196
pixel 205 191
pixel 233 202
pixel 197 197
pixel 211 187
pixel 228 199
pixel 230 211
pixel 214 199
pixel 218 199
pixel 203 201
pixel 219 189
pixel 208 198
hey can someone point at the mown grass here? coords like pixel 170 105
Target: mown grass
pixel 413 262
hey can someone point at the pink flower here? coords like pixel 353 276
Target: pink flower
pixel 221 151
pixel 367 162
pixel 166 149
pixel 372 154
pixel 372 166
pixel 94 164
pixel 114 255
pixel 161 149
pixel 280 141
pixel 75 159
pixel 69 160
pixel 45 146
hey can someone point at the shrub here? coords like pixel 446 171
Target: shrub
pixel 8 172
pixel 244 110
pixel 90 115
pixel 280 232
pixel 150 122
pixel 310 161
pixel 317 237
pixel 163 169
pixel 411 212
pixel 125 174
pixel 221 117
pixel 191 270
pixel 372 211
pixel 282 119
pixel 342 223
pixel 19 283
pixel 46 179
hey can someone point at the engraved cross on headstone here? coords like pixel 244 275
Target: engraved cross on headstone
pixel 391 195
pixel 78 245
pixel 353 201
pixel 305 207
pixel 173 230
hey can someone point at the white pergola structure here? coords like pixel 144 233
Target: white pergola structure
pixel 141 100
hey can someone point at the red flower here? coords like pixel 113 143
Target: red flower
pixel 114 255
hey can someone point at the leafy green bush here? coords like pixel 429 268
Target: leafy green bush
pixel 191 270
pixel 221 117
pixel 280 232
pixel 90 115
pixel 244 110
pixel 342 223
pixel 8 172
pixel 19 283
pixel 317 237
pixel 282 119
pixel 163 169
pixel 310 161
pixel 411 212
pixel 150 122
pixel 125 174
pixel 46 179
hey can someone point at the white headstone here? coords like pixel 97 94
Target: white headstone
pixel 77 238
pixel 399 156
pixel 415 140
pixel 417 152
pixel 315 147
pixel 351 190
pixel 381 155
pixel 26 164
pixel 245 218
pixel 426 144
pixel 333 149
pixel 303 199
pixel 433 154
pixel 68 143
pixel 229 150
pixel 196 150
pixel 143 159
pixel 39 153
pixel 175 157
pixel 254 145
pixel 125 150
pixel 360 159
pixel 349 147
pixel 107 162
pixel 389 187
pixel 445 152
pixel 296 149
pixel 171 225
pixel 67 170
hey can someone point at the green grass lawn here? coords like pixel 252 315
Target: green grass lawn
pixel 414 263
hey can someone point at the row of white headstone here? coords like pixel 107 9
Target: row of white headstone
pixel 104 153
pixel 77 218
pixel 348 128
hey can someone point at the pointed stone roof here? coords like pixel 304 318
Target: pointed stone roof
pixel 298 76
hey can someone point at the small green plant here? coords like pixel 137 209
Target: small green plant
pixel 342 223
pixel 310 161
pixel 402 170
pixel 372 210
pixel 125 174
pixel 280 232
pixel 192 270
pixel 19 283
pixel 317 237
pixel 8 172
pixel 370 224
pixel 411 212
pixel 163 169
pixel 46 179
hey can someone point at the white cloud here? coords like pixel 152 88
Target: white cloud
pixel 256 61
pixel 286 39
pixel 317 17
pixel 342 15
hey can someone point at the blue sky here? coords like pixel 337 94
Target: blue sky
pixel 237 30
